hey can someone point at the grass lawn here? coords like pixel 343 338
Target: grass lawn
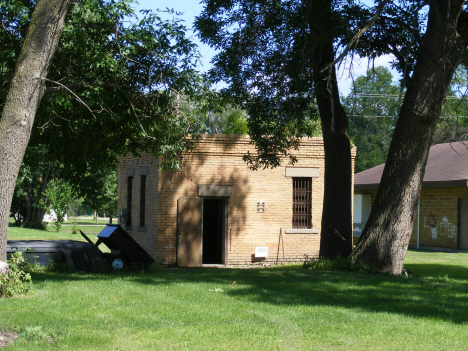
pixel 285 308
pixel 88 226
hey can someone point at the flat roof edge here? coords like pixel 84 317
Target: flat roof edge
pixel 363 187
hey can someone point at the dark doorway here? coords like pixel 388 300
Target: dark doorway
pixel 213 231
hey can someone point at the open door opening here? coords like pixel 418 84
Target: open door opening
pixel 214 224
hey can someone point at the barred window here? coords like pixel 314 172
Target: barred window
pixel 302 203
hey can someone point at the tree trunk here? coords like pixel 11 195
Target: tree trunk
pixel 29 208
pixel 24 96
pixel 336 234
pixel 385 239
pixel 40 210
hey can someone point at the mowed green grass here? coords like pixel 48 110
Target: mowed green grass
pixel 282 308
pixel 88 226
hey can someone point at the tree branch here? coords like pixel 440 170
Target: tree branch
pixel 86 84
pixel 403 62
pixel 139 123
pixel 358 35
pixel 397 21
pixel 71 92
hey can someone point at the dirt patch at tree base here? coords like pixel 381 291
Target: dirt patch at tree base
pixel 7 338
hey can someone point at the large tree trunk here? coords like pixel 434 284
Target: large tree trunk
pixel 336 234
pixel 29 207
pixel 40 212
pixel 24 96
pixel 34 212
pixel 386 236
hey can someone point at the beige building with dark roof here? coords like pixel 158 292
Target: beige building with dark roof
pixel 442 218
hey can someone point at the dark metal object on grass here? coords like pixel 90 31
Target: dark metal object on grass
pixel 124 249
pixel 82 256
pixel 77 255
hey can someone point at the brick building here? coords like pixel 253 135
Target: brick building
pixel 441 220
pixel 215 210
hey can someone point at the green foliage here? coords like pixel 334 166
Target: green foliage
pixel 32 180
pixel 372 107
pixel 155 268
pixel 264 56
pixel 127 69
pixel 226 120
pixel 17 281
pixel 57 267
pixel 214 113
pixel 35 225
pixel 397 31
pixel 236 123
pixel 30 264
pixel 347 264
pixel 100 191
pixel 35 333
pixel 62 198
pixel 453 126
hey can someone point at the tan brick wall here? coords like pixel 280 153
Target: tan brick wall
pixel 217 160
pixel 147 239
pixel 438 217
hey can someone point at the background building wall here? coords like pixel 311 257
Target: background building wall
pixel 438 217
pixel 145 236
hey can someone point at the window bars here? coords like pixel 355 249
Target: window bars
pixel 302 202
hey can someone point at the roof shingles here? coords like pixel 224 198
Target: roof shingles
pixel 447 166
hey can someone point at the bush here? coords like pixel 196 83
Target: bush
pixel 348 264
pixel 16 281
pixel 57 267
pixel 63 199
pixel 35 225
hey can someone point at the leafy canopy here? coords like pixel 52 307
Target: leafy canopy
pixel 372 108
pixel 112 88
pixel 112 84
pixel 263 61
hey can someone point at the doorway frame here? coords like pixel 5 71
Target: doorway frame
pixel 224 229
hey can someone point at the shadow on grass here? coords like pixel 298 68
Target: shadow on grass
pixel 424 297
pixel 438 270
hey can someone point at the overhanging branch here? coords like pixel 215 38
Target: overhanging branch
pixel 71 92
pixel 86 84
pixel 358 35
